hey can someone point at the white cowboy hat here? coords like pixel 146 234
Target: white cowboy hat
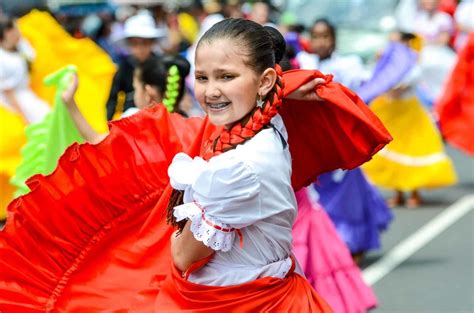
pixel 142 25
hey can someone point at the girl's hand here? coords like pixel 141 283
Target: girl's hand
pixel 68 94
pixel 307 92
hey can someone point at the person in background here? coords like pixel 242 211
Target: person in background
pixel 347 70
pixel 150 81
pixel 98 28
pixel 434 26
pixel 140 34
pixel 232 8
pixel 260 13
pixel 295 41
pixel 416 158
pixel 15 58
pixel 360 220
pixel 464 17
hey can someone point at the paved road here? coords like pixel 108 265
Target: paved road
pixel 439 275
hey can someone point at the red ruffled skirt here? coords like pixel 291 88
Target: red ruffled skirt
pixel 290 294
pixel 92 236
pixel 455 107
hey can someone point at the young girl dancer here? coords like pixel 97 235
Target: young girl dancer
pixel 15 92
pixel 416 159
pixel 157 80
pixel 234 205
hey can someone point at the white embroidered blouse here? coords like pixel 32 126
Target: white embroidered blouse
pixel 245 192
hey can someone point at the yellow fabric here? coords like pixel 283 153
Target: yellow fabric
pixel 188 26
pixel 55 48
pixel 415 158
pixel 416 43
pixel 6 195
pixel 12 138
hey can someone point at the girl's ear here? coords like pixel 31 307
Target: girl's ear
pixel 267 81
pixel 152 94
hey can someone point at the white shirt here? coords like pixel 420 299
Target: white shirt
pixel 14 75
pixel 429 27
pixel 130 111
pixel 464 16
pixel 247 188
pixel 347 70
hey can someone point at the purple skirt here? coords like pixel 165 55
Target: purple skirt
pixel 356 208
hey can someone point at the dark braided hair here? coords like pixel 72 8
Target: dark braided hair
pixel 263 48
pixel 154 72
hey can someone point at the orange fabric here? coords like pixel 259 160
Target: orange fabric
pixel 455 107
pixel 92 236
pixel 292 294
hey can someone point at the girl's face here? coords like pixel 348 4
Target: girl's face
pixel 11 37
pixel 429 5
pixel 226 87
pixel 141 48
pixel 322 41
pixel 144 95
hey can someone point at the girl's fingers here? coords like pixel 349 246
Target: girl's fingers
pixel 309 87
pixel 308 90
pixel 319 81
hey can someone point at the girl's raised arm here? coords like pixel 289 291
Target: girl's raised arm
pixel 85 129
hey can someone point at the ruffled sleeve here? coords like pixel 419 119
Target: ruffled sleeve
pixel 220 197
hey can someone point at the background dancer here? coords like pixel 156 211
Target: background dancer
pixel 15 58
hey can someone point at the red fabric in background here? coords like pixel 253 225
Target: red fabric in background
pixel 455 107
pixel 92 236
pixel 448 6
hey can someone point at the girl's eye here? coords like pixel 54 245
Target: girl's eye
pixel 201 78
pixel 227 77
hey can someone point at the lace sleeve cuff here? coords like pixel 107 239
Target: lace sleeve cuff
pixel 212 233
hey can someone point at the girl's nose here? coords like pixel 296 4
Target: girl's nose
pixel 212 91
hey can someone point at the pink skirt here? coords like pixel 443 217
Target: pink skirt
pixel 326 261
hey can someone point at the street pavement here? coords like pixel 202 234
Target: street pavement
pixel 436 270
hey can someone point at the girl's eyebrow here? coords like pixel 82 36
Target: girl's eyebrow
pixel 216 71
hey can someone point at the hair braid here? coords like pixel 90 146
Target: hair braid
pixel 176 199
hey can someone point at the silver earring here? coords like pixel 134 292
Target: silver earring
pixel 260 102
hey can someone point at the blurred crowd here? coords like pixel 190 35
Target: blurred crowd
pixel 131 31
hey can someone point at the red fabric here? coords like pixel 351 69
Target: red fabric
pixel 92 236
pixel 340 132
pixel 448 6
pixel 292 294
pixel 455 107
pixel 72 243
